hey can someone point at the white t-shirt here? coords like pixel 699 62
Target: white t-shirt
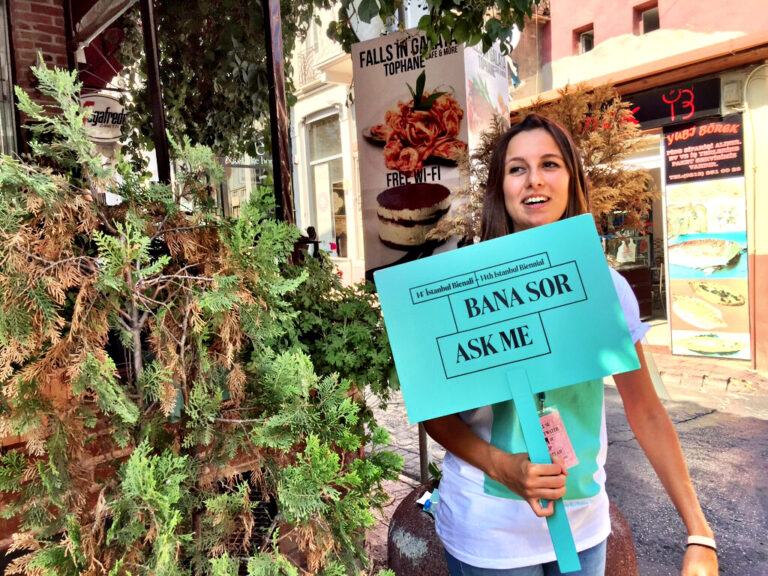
pixel 484 524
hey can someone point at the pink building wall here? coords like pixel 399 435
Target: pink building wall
pixel 612 18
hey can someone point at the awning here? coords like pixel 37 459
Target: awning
pixel 97 38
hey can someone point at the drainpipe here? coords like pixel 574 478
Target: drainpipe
pixel 752 295
pixel 159 136
pixel 69 30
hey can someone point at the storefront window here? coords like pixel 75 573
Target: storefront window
pixel 244 176
pixel 7 126
pixel 327 184
pixel 649 20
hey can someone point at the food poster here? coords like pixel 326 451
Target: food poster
pixel 412 121
pixel 707 238
pixel 487 89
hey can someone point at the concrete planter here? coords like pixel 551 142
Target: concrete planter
pixel 413 548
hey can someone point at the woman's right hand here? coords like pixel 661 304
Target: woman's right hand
pixel 532 482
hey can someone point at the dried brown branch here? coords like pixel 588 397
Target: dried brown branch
pixel 606 133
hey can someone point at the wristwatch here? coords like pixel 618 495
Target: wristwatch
pixel 702 541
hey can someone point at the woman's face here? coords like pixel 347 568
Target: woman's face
pixel 535 180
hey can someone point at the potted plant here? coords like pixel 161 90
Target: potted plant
pixel 164 368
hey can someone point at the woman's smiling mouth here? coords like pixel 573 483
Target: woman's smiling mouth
pixel 533 200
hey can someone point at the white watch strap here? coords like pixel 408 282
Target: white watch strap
pixel 702 541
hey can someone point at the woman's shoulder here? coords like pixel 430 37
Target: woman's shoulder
pixel 620 284
pixel 624 292
pixel 629 305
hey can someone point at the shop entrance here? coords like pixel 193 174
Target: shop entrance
pixel 638 254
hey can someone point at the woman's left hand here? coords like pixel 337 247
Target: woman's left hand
pixel 700 561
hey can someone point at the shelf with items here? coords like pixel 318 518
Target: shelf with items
pixel 631 256
pixel 627 251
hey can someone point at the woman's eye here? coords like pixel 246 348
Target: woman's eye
pixel 515 169
pixel 551 164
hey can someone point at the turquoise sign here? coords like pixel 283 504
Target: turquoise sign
pixel 541 301
pixel 504 320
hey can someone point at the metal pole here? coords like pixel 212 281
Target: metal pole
pixel 159 136
pixel 69 27
pixel 423 454
pixel 223 191
pixel 278 112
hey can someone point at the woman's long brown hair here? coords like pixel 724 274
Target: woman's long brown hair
pixel 495 221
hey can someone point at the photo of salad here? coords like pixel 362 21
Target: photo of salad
pixel 482 104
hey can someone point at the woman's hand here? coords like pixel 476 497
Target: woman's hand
pixel 699 561
pixel 533 482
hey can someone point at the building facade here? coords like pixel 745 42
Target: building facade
pixel 693 69
pixel 323 133
pixel 26 27
pixel 325 173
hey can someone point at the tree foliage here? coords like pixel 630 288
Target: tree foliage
pixel 153 358
pixel 212 68
pixel 463 221
pixel 466 21
pixel 213 58
pixel 606 133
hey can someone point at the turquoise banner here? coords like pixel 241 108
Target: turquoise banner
pixel 541 301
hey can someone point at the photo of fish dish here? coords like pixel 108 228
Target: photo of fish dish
pixel 706 254
pixel 717 293
pixel 711 345
pixel 697 312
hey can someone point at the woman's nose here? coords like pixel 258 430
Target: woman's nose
pixel 534 177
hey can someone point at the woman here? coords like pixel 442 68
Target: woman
pixel 490 518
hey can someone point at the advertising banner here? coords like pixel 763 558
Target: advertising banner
pixel 507 319
pixel 487 90
pixel 415 114
pixel 105 122
pixel 707 238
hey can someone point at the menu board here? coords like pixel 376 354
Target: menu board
pixel 417 112
pixel 707 238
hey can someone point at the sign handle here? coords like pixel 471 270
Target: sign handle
pixel 559 529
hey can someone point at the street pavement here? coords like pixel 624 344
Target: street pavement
pixel 720 410
pixel 726 455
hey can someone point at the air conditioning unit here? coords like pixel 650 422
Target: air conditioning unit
pixel 732 93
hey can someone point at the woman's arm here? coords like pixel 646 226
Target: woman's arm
pixel 533 482
pixel 656 435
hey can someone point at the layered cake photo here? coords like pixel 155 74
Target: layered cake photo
pixel 407 213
